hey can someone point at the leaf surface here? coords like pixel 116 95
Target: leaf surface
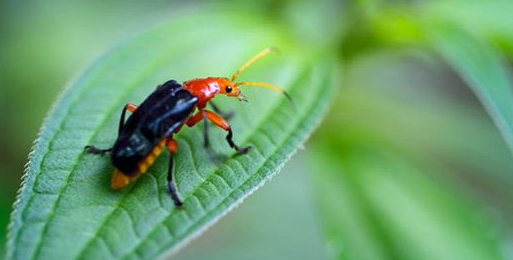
pixel 66 208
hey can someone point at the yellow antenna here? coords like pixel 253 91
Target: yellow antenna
pixel 266 85
pixel 256 57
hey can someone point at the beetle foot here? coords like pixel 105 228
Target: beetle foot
pixel 179 204
pixel 243 150
pixel 174 196
pixel 96 150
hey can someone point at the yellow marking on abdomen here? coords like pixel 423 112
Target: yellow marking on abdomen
pixel 120 179
pixel 148 160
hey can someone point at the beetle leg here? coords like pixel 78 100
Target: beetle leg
pixel 129 106
pixel 96 150
pixel 206 140
pixel 171 184
pixel 219 121
pixel 194 119
pixel 172 146
pixel 224 115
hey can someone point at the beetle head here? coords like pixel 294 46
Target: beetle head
pixel 227 87
pixel 230 88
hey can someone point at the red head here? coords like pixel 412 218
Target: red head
pixel 206 88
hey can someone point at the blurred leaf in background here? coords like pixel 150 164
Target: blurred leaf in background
pixel 409 178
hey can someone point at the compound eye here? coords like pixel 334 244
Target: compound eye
pixel 228 89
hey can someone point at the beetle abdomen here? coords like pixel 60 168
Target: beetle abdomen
pixel 146 162
pixel 166 109
pixel 128 152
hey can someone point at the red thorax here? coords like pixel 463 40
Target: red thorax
pixel 206 88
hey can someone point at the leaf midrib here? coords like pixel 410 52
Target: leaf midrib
pixel 74 103
pixel 278 103
pixel 261 168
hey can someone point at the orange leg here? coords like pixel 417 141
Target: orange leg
pixel 195 118
pixel 172 145
pixel 131 107
pixel 95 150
pixel 219 121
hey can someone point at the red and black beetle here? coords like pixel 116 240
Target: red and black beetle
pixel 152 124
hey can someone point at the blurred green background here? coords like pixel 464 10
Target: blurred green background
pixel 406 165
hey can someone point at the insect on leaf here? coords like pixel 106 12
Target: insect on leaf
pixel 66 208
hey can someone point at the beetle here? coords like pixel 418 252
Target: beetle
pixel 152 124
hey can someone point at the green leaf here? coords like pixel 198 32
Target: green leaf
pixel 377 204
pixel 66 208
pixel 491 19
pixel 427 123
pixel 287 203
pixel 482 69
